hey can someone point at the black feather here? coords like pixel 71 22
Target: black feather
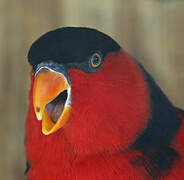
pixel 70 45
pixel 155 142
pixel 27 168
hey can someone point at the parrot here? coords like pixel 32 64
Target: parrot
pixel 95 113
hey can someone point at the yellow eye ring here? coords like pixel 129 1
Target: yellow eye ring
pixel 96 60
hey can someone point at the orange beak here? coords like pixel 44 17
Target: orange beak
pixel 51 99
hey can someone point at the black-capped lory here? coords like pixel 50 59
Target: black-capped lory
pixel 96 114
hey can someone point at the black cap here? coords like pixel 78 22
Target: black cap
pixel 70 45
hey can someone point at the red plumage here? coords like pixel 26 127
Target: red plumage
pixel 110 110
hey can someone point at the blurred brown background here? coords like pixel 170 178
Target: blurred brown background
pixel 150 30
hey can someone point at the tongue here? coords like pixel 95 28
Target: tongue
pixel 54 110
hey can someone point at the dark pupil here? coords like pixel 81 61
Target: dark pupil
pixel 96 60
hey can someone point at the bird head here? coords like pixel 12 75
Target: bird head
pixel 86 88
pixel 90 98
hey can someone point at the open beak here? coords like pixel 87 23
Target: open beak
pixel 51 99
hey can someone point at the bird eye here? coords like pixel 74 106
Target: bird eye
pixel 96 60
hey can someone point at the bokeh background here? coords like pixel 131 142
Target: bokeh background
pixel 150 30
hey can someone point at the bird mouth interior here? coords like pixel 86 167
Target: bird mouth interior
pixel 56 106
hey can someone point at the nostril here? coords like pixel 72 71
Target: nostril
pixel 37 109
